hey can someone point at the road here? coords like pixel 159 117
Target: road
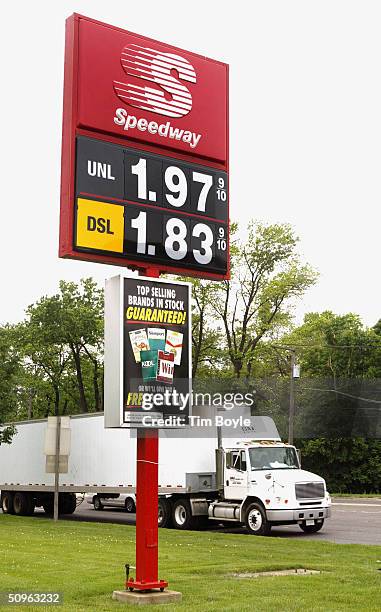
pixel 353 521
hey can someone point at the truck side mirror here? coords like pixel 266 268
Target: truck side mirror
pixel 299 453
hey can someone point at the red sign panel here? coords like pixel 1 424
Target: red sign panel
pixel 134 87
pixel 127 97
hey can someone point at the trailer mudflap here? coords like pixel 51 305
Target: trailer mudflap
pixel 199 506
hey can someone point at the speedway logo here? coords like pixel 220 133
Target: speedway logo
pixel 171 97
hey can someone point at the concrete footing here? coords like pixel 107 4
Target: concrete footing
pixel 138 598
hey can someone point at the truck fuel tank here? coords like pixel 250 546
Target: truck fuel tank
pixel 224 511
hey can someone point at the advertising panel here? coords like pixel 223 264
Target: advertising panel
pixel 147 352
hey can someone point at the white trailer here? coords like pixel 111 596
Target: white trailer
pixel 252 478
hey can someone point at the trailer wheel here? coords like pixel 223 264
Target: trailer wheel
pixel 312 528
pixel 165 513
pixel 97 503
pixel 23 504
pixel 182 515
pixel 7 502
pixel 256 521
pixel 129 505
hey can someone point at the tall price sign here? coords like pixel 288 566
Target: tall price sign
pixel 145 154
pixel 144 185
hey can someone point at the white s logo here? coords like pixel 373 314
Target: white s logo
pixel 171 98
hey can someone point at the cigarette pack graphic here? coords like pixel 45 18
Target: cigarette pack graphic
pixel 156 338
pixel 174 344
pixel 149 365
pixel 139 342
pixel 165 367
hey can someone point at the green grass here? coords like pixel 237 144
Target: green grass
pixel 355 495
pixel 86 561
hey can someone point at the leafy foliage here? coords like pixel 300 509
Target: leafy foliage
pixel 337 398
pixel 53 360
pixel 349 465
pixel 233 318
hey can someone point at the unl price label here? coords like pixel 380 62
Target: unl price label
pixel 150 207
pixel 176 185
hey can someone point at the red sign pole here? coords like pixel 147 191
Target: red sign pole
pixel 147 502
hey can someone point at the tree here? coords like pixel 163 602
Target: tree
pixel 267 276
pixel 335 346
pixel 69 325
pixel 60 347
pixel 338 407
pixel 349 465
pixel 338 394
pixel 206 338
pixel 376 353
pixel 45 354
pixel 9 370
pixel 81 321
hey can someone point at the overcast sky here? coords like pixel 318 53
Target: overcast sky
pixel 305 108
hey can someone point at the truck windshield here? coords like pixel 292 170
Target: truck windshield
pixel 273 458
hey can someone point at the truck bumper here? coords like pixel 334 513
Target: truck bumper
pixel 298 514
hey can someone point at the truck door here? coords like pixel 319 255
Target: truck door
pixel 235 480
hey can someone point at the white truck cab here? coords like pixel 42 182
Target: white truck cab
pixel 261 484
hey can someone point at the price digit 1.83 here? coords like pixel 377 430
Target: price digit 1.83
pixel 176 239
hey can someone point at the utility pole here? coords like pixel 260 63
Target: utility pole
pixel 291 411
pixel 57 468
pixel 30 404
pixel 294 373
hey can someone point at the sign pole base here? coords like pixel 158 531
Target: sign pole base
pixel 150 598
pixel 135 585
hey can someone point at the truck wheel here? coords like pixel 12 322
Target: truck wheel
pixel 97 503
pixel 7 502
pixel 312 528
pixel 68 503
pixel 182 515
pixel 130 505
pixel 21 504
pixel 165 513
pixel 256 521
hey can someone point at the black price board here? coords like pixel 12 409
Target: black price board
pixel 150 208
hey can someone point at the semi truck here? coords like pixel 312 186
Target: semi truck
pixel 241 474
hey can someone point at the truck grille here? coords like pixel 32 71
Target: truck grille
pixel 309 490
